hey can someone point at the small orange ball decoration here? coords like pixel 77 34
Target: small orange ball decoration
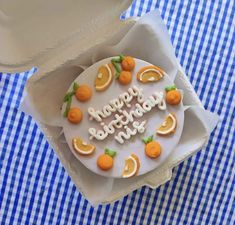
pixel 75 115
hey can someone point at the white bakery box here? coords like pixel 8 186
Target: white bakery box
pixel 61 38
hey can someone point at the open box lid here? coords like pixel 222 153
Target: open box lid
pixel 34 32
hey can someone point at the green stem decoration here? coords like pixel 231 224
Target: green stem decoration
pixel 110 152
pixel 170 88
pixel 68 98
pixel 147 139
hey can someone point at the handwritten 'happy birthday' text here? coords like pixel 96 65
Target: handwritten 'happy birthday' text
pixel 122 118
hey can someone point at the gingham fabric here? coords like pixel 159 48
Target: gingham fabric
pixel 35 189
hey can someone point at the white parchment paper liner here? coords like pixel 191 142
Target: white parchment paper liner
pixel 148 40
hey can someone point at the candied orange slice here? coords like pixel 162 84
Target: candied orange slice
pixel 82 147
pixel 150 74
pixel 132 165
pixel 104 77
pixel 168 126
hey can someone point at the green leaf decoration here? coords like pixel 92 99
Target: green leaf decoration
pixel 121 56
pixel 116 60
pixel 117 75
pixel 110 152
pixel 147 139
pixel 119 59
pixel 75 86
pixel 170 88
pixel 68 105
pixel 68 95
pixel 68 98
pixel 117 67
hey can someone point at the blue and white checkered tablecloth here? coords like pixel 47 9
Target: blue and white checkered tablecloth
pixel 35 189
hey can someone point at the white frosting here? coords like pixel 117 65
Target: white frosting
pixel 99 135
pixel 96 114
pixel 139 111
pixel 117 104
pixel 138 128
pixel 147 106
pixel 122 118
pixel 126 98
pixel 128 117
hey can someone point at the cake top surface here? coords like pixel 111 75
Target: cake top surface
pixel 121 126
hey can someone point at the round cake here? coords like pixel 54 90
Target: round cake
pixel 122 117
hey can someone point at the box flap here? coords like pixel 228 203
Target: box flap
pixel 31 32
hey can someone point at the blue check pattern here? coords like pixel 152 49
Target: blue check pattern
pixel 35 189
